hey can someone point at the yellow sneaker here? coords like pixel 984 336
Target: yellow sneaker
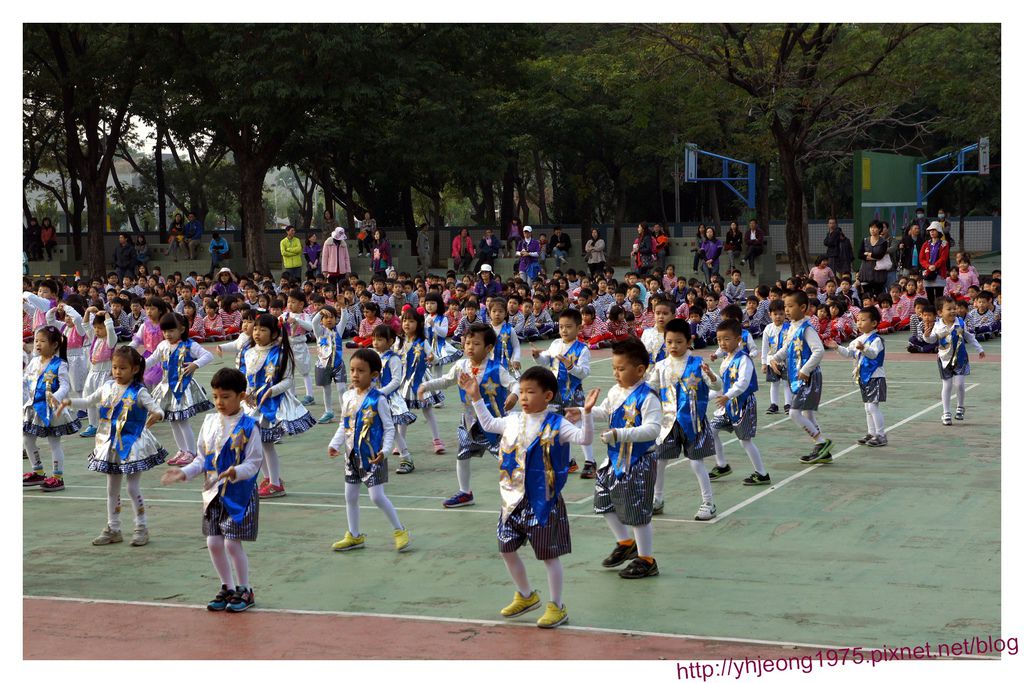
pixel 553 616
pixel 521 605
pixel 350 542
pixel 402 539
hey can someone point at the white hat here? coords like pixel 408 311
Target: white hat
pixel 935 225
pixel 339 233
pixel 486 268
pixel 527 229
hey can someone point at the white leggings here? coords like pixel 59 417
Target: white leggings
pixel 517 570
pixel 377 497
pixel 749 446
pixel 806 420
pixel 29 441
pixel 184 437
pixel 774 389
pixel 114 500
pixel 876 423
pixel 700 471
pixel 947 392
pixel 644 534
pixel 271 467
pixel 221 549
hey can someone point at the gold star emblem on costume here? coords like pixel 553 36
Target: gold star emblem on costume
pixel 48 378
pixel 629 413
pixel 734 372
pixel 798 346
pixel 238 441
pixel 547 437
pixel 490 387
pixel 692 382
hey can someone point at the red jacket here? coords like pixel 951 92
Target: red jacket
pixel 943 261
pixel 457 246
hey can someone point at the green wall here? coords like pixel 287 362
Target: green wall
pixel 883 188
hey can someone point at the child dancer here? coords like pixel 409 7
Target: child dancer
pixel 239 345
pixel 569 359
pixel 684 380
pixel 771 342
pixel 364 436
pixel 534 466
pixel 869 351
pixel 413 346
pixel 737 405
pixel 297 324
pixel 124 445
pixel 950 333
pixel 654 337
pixel 497 385
pixel 330 362
pixel 269 398
pixel 733 312
pixel 74 329
pixel 149 336
pixel 437 331
pixel 102 340
pixel 232 453
pixel 506 348
pixel 37 305
pixel 177 395
pixel 388 383
pixel 624 491
pixel 47 383
pixel 801 353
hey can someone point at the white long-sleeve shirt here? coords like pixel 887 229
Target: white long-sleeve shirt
pixel 941 331
pixel 319 330
pixel 870 351
pixel 465 366
pixel 254 359
pixel 71 317
pixel 767 352
pixel 200 356
pixel 750 345
pixel 110 393
pixel 344 439
pixel 300 324
pixel 512 339
pixel 743 375
pixel 666 375
pixel 397 374
pixel 580 369
pixel 32 372
pixel 111 334
pixel 650 412
pixel 653 341
pixel 216 430
pixel 813 342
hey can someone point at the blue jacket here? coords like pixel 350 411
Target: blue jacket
pixel 193 230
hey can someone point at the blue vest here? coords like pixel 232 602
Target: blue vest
pixel 261 382
pixel 174 368
pixel 775 340
pixel 385 373
pixel 434 341
pixel 867 366
pixel 660 354
pixel 416 362
pixel 493 393
pixel 956 340
pixel 691 397
pixel 48 381
pixel 503 346
pixel 545 469
pixel 127 420
pixel 745 336
pixel 236 496
pixel 797 354
pixel 240 358
pixel 332 339
pixel 568 384
pixel 367 428
pixel 730 376
pixel 625 455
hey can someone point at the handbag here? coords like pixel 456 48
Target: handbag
pixel 884 263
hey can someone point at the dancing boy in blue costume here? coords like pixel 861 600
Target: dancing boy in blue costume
pixel 364 437
pixel 624 490
pixel 569 359
pixel 869 351
pixel 802 352
pixel 771 343
pixel 330 363
pixel 534 466
pixel 230 455
pixel 500 389
pixel 389 382
pixel 950 333
pixel 506 345
pixel 737 404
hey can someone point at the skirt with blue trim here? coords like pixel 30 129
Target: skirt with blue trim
pixel 192 402
pixel 133 465
pixel 428 400
pixel 292 418
pixel 400 413
pixel 61 424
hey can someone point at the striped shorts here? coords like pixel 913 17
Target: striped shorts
pixel 217 521
pixel 745 427
pixel 874 391
pixel 630 496
pixel 354 472
pixel 677 441
pixel 548 541
pixel 473 443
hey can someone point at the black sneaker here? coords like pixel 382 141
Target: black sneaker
pixel 786 407
pixel 589 471
pixel 772 410
pixel 959 413
pixel 717 472
pixel 573 467
pixel 864 439
pixel 242 600
pixel 620 554
pixel 640 569
pixel 756 479
pixel 913 349
pixel 822 452
pixel 220 602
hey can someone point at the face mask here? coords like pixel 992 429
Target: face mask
pixel 920 215
pixel 941 216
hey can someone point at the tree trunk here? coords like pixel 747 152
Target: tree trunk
pixel 762 210
pixel 132 220
pixel 25 207
pixel 161 185
pixel 408 217
pixel 620 219
pixel 796 233
pixel 523 205
pixel 661 198
pixel 75 217
pixel 542 188
pixel 96 213
pixel 487 190
pixel 713 205
pixel 508 193
pixel 253 220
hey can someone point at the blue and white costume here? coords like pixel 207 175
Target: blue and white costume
pixel 277 410
pixel 179 395
pixel 436 330
pixel 123 443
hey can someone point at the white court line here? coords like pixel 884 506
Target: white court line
pixel 298 493
pixel 452 620
pixel 797 475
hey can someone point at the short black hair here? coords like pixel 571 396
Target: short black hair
pixel 985 294
pixel 659 301
pixel 927 307
pixel 872 313
pixel 542 377
pixel 799 296
pixel 572 313
pixel 370 357
pixel 383 331
pixel 174 321
pixel 732 312
pixel 777 305
pixel 229 379
pixel 634 351
pixel 371 306
pixel 490 338
pixel 679 326
pixel 498 301
pixel 731 326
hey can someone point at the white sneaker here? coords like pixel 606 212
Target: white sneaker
pixel 706 511
pixel 947 419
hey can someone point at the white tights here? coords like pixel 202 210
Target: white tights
pixel 947 392
pixel 774 389
pixel 876 423
pixel 183 436
pixel 271 466
pixel 329 398
pixel 806 420
pixel 748 445
pixel 221 549
pixel 700 471
pixel 377 497
pixel 428 415
pixel 114 499
pixel 32 449
pixel 517 570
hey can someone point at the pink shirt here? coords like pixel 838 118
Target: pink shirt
pixel 821 276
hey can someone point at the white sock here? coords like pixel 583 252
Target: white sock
pixel 808 425
pixel 271 467
pixel 875 415
pixel 352 507
pixel 773 392
pixel 188 437
pixel 29 443
pixel 555 576
pixel 755 456
pixel 870 419
pixel 400 443
pixel 659 481
pixel 619 529
pixel 517 570
pixel 787 392
pixel 462 469
pixel 961 390
pixel 58 455
pixel 308 380
pixel 644 535
pixel 701 471
pixel 220 559
pixel 588 452
pixel 135 493
pixel 94 416
pixel 114 501
pixel 719 449
pixel 378 498
pixel 329 398
pixel 178 438
pixel 947 394
pixel 428 415
pixel 239 560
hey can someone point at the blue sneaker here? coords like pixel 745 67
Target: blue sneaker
pixel 327 418
pixel 220 602
pixel 241 600
pixel 307 400
pixel 459 500
pixel 87 432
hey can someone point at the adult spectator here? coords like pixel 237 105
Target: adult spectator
pixel 193 234
pixel 380 253
pixel 661 245
pixel 488 248
pixel 594 250
pixel 845 258
pixel 947 230
pixel 336 261
pixel 48 237
pixel 710 253
pixel 291 254
pixel 831 243
pixel 424 249
pixel 176 236
pixel 329 223
pixel 934 261
pixel 463 251
pixel 312 255
pixel 560 246
pixel 218 250
pixel 754 238
pixel 875 264
pixel 141 249
pixel 513 236
pixel 528 252
pixel 920 220
pixel 643 250
pixel 701 232
pixel 486 285
pixel 34 239
pixel 226 283
pixel 365 235
pixel 908 254
pixel 124 256
pixel 733 244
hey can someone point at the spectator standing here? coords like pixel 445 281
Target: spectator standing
pixel 124 257
pixel 424 249
pixel 643 250
pixel 754 238
pixel 661 245
pixel 291 254
pixel 365 236
pixel 513 236
pixel 193 234
pixel 874 265
pixel 141 249
pixel 711 252
pixel 335 257
pixel 380 252
pixel 934 261
pixel 488 249
pixel 909 250
pixel 845 258
pixel 218 250
pixel 34 240
pixel 701 230
pixel 463 251
pixel 48 237
pixel 733 245
pixel 312 255
pixel 831 243
pixel 528 252
pixel 594 250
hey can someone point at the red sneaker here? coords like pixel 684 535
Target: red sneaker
pixel 32 479
pixel 262 488
pixel 272 491
pixel 176 460
pixel 438 446
pixel 52 484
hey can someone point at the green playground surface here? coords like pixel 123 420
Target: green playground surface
pixel 897 545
